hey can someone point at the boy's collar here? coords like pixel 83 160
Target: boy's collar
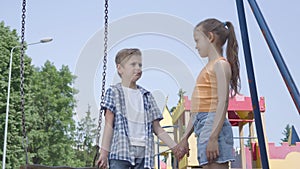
pixel 144 91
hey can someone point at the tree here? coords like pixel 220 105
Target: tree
pixel 49 106
pixel 181 94
pixel 286 133
pixel 52 128
pixel 86 134
pixel 8 40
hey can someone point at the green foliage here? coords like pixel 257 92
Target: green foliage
pixel 49 109
pixel 85 138
pixel 8 40
pixel 172 109
pixel 52 129
pixel 286 133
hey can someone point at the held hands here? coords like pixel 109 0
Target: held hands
pixel 181 149
pixel 103 159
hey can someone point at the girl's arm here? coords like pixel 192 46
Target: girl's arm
pixel 223 75
pixel 184 143
pixel 190 127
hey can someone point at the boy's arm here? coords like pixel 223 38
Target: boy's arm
pixel 178 151
pixel 163 135
pixel 106 139
pixel 108 131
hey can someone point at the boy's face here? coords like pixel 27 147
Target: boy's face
pixel 131 71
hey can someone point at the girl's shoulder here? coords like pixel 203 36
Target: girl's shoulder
pixel 220 61
pixel 211 64
pixel 221 58
pixel 222 65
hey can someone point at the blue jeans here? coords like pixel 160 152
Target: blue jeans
pixel 139 153
pixel 122 164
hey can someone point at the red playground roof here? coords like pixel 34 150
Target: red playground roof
pixel 244 103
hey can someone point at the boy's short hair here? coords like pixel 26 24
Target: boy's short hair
pixel 125 55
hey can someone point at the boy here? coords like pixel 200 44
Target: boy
pixel 131 117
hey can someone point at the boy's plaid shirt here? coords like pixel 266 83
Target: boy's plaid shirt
pixel 114 101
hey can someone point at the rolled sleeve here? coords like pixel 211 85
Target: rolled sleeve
pixel 109 101
pixel 155 111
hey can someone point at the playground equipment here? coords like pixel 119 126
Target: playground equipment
pixel 240 113
pixel 251 78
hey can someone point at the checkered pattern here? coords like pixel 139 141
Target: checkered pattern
pixel 115 102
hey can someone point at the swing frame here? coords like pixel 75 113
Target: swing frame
pixel 38 166
pixel 250 73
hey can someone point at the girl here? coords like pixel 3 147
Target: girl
pixel 211 93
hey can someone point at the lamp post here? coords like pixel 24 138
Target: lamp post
pixel 45 40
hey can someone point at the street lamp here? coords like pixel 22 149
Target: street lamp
pixel 45 40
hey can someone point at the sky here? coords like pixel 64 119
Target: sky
pixel 163 31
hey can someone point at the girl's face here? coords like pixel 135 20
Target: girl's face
pixel 131 71
pixel 202 42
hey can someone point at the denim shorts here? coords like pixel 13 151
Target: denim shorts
pixel 202 127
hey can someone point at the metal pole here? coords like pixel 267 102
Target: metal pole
pixel 7 107
pixel 252 83
pixel 8 96
pixel 288 79
pixel 158 154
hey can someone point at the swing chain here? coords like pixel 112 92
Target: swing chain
pixel 104 69
pixel 22 79
pixel 103 79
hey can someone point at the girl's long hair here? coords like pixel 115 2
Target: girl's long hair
pixel 224 31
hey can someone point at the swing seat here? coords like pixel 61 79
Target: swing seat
pixel 37 166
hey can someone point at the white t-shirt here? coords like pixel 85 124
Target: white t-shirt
pixel 135 116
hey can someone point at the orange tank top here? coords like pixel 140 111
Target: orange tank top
pixel 205 96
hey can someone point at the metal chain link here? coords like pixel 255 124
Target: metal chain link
pixel 22 79
pixel 103 79
pixel 104 69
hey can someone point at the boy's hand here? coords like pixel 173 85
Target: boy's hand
pixel 181 149
pixel 185 147
pixel 103 159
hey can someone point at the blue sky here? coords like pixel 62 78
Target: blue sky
pixel 169 51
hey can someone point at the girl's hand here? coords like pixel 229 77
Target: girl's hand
pixel 181 149
pixel 212 150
